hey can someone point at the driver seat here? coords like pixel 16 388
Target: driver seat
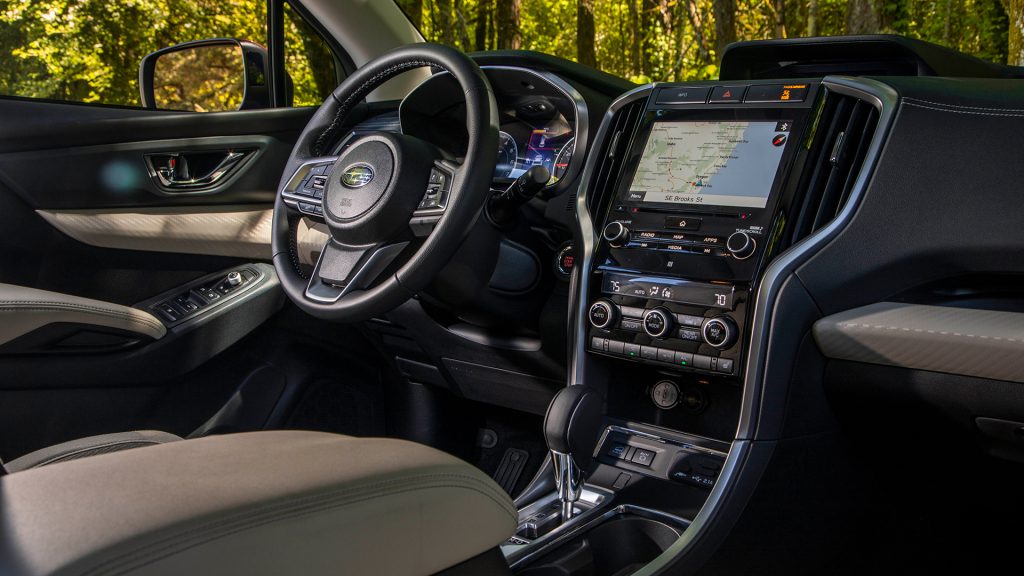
pixel 256 503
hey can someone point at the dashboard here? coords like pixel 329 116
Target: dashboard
pixel 540 122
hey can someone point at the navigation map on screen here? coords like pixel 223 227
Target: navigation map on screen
pixel 720 163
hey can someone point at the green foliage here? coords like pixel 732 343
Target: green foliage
pixel 674 40
pixel 89 50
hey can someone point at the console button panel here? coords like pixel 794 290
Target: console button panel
pixel 678 459
pixel 198 298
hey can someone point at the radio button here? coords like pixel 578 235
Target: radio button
pixel 682 223
pixel 658 322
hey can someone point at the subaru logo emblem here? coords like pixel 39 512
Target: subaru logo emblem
pixel 357 176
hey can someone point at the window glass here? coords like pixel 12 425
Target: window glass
pixel 676 40
pixel 89 50
pixel 308 61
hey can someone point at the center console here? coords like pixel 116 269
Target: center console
pixel 689 223
pixel 689 191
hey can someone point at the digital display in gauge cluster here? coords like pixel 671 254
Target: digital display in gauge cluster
pixel 522 145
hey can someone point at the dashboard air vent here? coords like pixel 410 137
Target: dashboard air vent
pixel 612 152
pixel 842 134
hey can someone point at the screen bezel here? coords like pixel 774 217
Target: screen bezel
pixel 643 132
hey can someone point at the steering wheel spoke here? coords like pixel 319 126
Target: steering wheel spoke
pixel 304 191
pixel 435 199
pixel 342 269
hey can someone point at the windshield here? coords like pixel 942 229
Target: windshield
pixel 676 40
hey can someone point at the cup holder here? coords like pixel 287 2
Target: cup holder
pixel 622 543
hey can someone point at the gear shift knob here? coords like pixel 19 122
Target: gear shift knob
pixel 571 426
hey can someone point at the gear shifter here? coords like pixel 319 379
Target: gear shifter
pixel 571 426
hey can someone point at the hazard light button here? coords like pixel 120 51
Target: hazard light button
pixel 727 94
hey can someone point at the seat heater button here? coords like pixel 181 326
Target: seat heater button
pixel 724 365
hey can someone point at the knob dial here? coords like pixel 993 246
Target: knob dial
pixel 616 234
pixel 234 278
pixel 658 322
pixel 603 314
pixel 720 332
pixel 741 245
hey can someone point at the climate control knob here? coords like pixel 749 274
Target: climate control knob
pixel 720 332
pixel 741 245
pixel 658 322
pixel 603 314
pixel 616 234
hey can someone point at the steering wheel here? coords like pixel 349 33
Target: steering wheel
pixel 396 209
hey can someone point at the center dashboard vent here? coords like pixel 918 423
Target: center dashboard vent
pixel 842 134
pixel 612 152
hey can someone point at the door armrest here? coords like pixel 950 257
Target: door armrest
pixel 24 310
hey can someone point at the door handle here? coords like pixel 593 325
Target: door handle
pixel 194 171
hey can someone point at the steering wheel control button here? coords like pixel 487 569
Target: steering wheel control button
pixel 616 234
pixel 658 322
pixel 741 245
pixel 603 314
pixel 720 332
pixel 665 394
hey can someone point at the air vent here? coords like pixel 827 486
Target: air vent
pixel 843 132
pixel 613 152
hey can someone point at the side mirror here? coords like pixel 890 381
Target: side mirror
pixel 206 76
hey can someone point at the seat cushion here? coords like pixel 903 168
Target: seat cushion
pixel 252 504
pixel 91 446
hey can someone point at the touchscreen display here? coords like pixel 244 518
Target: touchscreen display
pixel 717 163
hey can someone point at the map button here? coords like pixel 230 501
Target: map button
pixel 684 95
pixel 727 94
pixel 680 223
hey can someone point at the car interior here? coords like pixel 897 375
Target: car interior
pixel 770 323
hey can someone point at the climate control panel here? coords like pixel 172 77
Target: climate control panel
pixel 683 336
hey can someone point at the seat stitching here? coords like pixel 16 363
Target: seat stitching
pixel 64 455
pixel 297 507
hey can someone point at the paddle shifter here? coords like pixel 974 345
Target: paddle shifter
pixel 571 427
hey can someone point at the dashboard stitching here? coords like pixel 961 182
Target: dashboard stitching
pixel 362 92
pixel 947 105
pixel 962 111
pixel 924 331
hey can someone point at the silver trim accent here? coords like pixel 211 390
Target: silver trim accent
pixel 886 100
pixel 593 500
pixel 608 308
pixel 667 319
pixel 614 428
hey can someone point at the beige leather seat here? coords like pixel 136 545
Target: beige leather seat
pixel 262 503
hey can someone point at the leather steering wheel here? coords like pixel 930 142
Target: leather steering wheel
pixel 395 208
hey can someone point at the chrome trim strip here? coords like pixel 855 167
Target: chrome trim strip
pixel 588 236
pixel 614 428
